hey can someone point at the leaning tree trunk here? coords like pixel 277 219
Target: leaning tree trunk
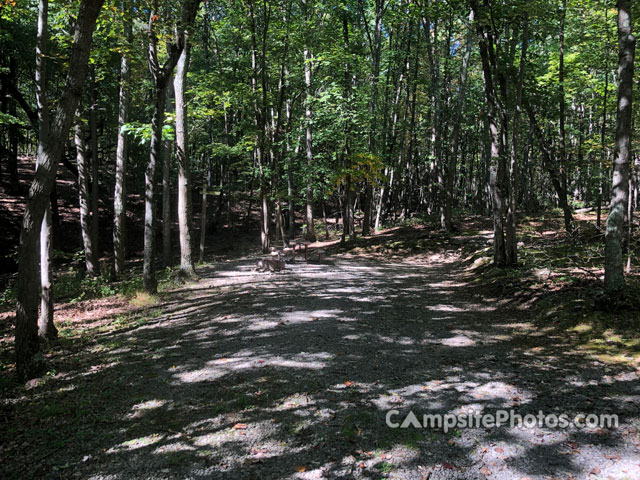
pixel 613 263
pixel 187 269
pixel 120 191
pixel 27 345
pixel 46 329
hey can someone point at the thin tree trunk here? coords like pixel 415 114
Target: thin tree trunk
pixel 511 246
pixel 95 176
pixel 613 263
pixel 497 162
pixel 453 158
pixel 120 191
pixel 311 232
pixel 167 154
pixel 83 193
pixel 187 269
pixel 46 329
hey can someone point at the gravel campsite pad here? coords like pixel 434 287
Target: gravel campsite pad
pixel 248 375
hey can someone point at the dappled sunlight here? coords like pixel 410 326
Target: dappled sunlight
pixel 458 341
pixel 261 375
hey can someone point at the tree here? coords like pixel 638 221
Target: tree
pixel 187 269
pixel 27 345
pixel 161 75
pixel 613 266
pixel 46 328
pixel 83 193
pixel 120 190
pixel 311 233
pixel 498 165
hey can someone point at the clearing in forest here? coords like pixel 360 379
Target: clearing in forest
pixel 246 375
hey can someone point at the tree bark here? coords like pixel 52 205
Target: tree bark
pixel 46 328
pixel 187 269
pixel 613 265
pixel 497 165
pixel 311 232
pixel 27 346
pixel 83 193
pixel 511 245
pixel 167 154
pixel 120 191
pixel 95 174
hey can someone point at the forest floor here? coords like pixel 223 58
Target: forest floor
pixel 247 375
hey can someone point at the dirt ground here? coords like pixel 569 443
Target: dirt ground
pixel 248 375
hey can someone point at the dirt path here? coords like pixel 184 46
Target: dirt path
pixel 258 376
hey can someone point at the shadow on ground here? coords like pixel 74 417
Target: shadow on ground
pixel 257 376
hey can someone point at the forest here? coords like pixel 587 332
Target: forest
pixel 238 237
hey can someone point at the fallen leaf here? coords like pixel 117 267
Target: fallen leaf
pixel 594 471
pixel 239 426
pixel 485 471
pixel 615 458
pixel 448 466
pixel 301 468
pixel 348 383
pixel 361 465
pixel 499 449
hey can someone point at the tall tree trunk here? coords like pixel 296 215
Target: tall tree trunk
pixel 83 193
pixel 613 264
pixel 149 268
pixel 26 342
pixel 95 176
pixel 497 166
pixel 187 269
pixel 511 246
pixel 453 158
pixel 563 133
pixel 603 131
pixel 375 48
pixel 120 191
pixel 46 329
pixel 311 233
pixel 167 154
